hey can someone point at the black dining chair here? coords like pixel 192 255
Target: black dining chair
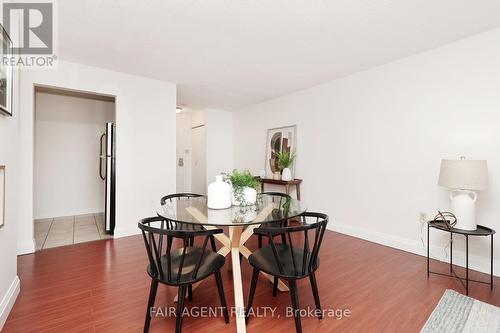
pixel 180 267
pixel 288 261
pixel 280 199
pixel 172 198
pixel 187 226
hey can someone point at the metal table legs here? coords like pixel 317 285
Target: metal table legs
pixel 451 252
pixel 466 264
pixel 465 282
pixel 491 263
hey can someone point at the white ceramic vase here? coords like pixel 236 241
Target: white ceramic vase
pixel 219 194
pixel 249 195
pixel 463 205
pixel 286 174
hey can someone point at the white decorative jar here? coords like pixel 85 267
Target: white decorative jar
pixel 249 197
pixel 219 194
pixel 463 205
pixel 286 174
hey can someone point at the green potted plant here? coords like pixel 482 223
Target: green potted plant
pixel 285 161
pixel 245 187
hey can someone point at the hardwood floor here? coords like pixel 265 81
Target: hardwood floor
pixel 102 286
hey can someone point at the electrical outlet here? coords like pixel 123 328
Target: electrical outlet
pixel 422 217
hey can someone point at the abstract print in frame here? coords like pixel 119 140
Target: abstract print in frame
pixel 5 74
pixel 279 139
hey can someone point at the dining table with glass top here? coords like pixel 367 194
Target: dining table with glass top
pixel 241 221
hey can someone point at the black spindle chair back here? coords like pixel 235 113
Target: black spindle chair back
pixel 293 260
pixel 278 197
pixel 179 196
pixel 281 199
pixel 179 267
pixel 307 251
pixel 159 240
pixel 172 198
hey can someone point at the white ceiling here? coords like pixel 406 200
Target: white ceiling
pixel 231 53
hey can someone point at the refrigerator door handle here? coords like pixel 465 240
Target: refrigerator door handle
pixel 101 159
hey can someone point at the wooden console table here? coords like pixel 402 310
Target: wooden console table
pixel 286 184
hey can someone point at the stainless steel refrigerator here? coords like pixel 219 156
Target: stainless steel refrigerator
pixel 107 173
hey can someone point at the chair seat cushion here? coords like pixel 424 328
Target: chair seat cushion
pixel 264 260
pixel 211 262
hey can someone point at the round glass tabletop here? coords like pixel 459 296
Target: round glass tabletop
pixel 267 209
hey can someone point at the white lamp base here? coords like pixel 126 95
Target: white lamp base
pixel 463 205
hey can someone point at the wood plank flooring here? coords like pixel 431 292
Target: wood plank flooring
pixel 102 286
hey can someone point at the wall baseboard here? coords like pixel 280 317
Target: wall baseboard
pixel 8 300
pixel 26 247
pixel 124 232
pixel 478 263
pixel 64 214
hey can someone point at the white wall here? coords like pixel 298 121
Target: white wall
pixel 67 142
pixel 9 156
pixel 198 118
pixel 369 145
pixel 145 140
pixel 214 143
pixel 198 132
pixel 183 134
pixel 219 143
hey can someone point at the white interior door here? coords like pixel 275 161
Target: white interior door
pixel 183 161
pixel 199 160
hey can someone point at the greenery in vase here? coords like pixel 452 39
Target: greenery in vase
pixel 239 180
pixel 285 159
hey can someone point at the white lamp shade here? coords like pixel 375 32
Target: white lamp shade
pixel 464 174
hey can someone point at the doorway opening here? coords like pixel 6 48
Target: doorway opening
pixel 191 152
pixel 74 167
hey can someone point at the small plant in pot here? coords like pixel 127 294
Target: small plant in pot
pixel 285 161
pixel 245 187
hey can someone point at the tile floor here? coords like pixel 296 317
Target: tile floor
pixel 67 230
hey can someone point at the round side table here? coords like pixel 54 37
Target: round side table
pixel 480 231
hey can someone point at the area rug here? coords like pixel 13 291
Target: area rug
pixel 458 313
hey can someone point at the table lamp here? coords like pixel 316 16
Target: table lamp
pixel 464 177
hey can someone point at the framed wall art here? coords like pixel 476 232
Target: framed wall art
pixel 6 73
pixel 279 139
